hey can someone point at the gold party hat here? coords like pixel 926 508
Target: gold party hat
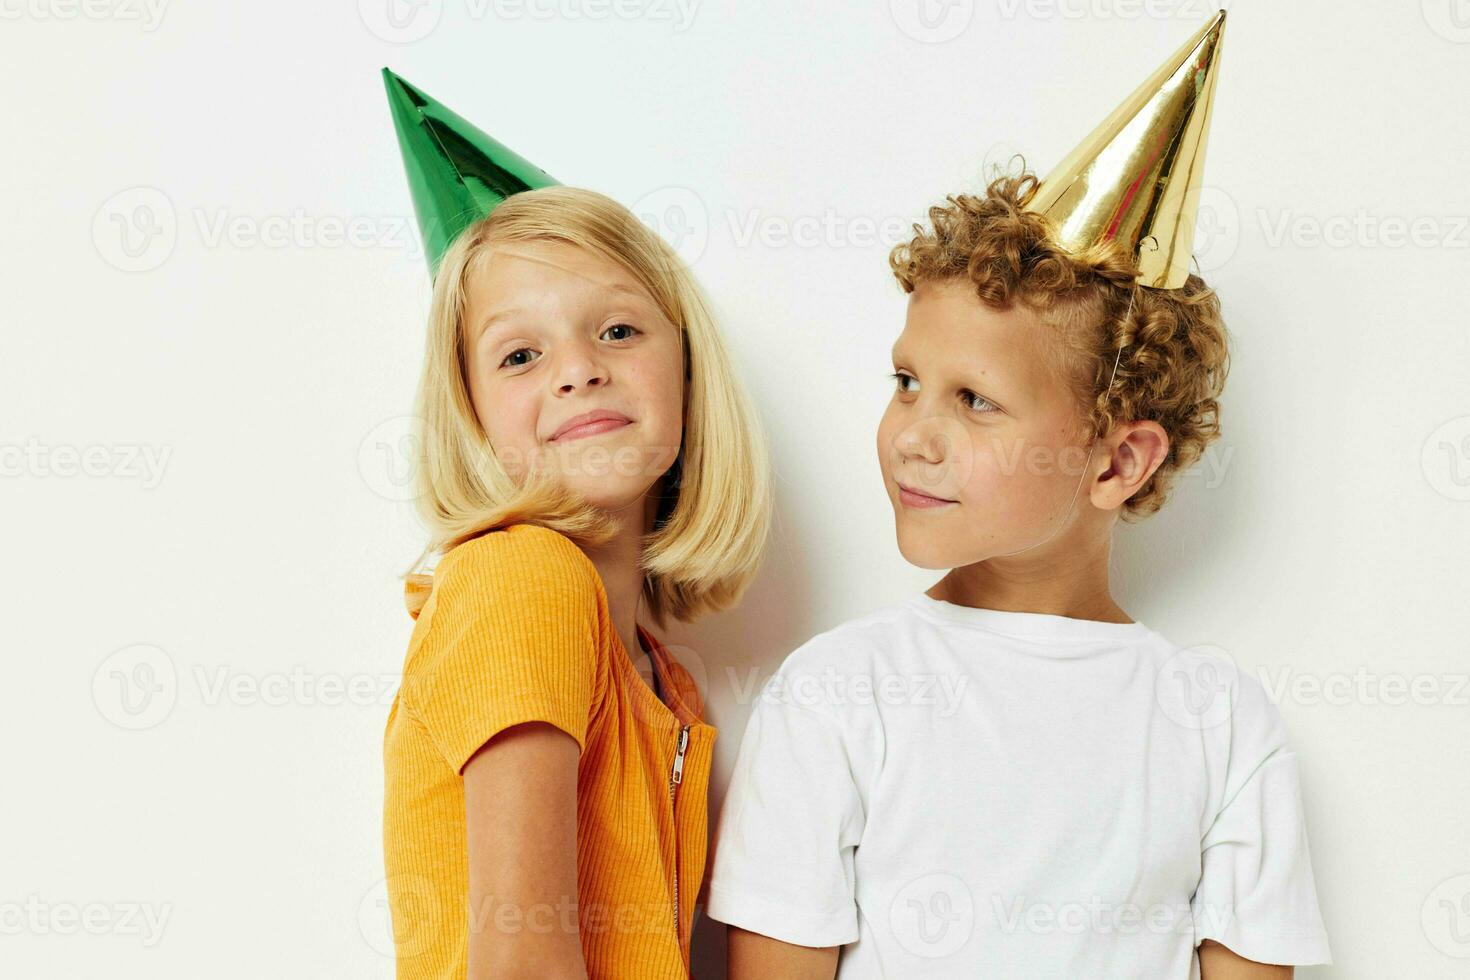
pixel 1136 179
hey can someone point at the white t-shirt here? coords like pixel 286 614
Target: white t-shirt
pixel 948 791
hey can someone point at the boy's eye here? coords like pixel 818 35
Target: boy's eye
pixel 971 398
pixel 976 403
pixel 513 358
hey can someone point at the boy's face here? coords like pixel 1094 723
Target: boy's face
pixel 979 421
pixel 553 332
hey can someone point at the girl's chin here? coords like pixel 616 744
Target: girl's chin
pixel 616 494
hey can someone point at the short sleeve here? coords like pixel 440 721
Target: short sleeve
pixel 1256 893
pixel 790 822
pixel 508 635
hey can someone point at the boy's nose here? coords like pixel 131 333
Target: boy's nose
pixel 927 439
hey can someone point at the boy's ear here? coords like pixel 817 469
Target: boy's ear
pixel 1132 452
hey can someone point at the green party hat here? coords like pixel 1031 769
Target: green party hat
pixel 456 173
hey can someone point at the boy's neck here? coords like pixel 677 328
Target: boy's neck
pixel 1075 587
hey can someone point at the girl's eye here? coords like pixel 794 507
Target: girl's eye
pixel 899 378
pixel 519 350
pixel 622 326
pixel 512 359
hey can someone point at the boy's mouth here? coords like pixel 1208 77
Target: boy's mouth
pixel 910 497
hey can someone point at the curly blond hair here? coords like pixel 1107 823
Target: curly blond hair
pixel 1175 352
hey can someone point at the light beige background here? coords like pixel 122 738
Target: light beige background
pixel 213 324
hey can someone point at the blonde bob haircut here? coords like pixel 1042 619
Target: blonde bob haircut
pixel 714 509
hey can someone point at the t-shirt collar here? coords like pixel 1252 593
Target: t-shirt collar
pixel 1041 627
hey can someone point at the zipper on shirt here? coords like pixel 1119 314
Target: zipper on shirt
pixel 676 776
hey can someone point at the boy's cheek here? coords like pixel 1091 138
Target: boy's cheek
pixel 1001 498
pixel 885 449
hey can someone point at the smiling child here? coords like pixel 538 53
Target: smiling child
pixel 1006 775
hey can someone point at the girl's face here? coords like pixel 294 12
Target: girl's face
pixel 554 332
pixel 979 420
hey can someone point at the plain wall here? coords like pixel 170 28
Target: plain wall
pixel 213 325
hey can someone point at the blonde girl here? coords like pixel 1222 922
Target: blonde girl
pixel 588 454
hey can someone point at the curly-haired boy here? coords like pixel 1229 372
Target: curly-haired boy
pixel 1006 775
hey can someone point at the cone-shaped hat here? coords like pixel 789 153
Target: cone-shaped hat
pixel 456 173
pixel 1136 179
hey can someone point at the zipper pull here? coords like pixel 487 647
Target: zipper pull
pixel 679 755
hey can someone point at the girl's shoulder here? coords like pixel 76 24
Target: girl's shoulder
pixel 519 597
pixel 530 562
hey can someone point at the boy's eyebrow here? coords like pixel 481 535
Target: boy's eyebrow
pixel 899 355
pixel 984 384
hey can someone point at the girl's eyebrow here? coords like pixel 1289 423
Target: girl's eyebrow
pixel 495 318
pixel 633 291
pixel 511 312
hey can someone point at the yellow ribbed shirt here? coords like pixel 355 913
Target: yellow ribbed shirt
pixel 515 629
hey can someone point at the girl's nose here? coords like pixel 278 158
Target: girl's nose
pixel 580 367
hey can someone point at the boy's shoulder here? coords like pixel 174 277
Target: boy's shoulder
pixel 1207 685
pixel 854 644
